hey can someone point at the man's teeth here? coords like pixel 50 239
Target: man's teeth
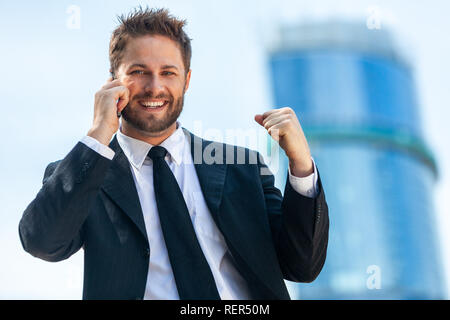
pixel 153 104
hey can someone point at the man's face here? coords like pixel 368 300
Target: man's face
pixel 153 71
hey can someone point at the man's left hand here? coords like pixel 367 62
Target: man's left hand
pixel 283 126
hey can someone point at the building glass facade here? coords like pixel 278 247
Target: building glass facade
pixel 356 100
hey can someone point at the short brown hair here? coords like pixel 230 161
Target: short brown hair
pixel 141 22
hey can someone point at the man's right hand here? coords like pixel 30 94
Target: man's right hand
pixel 106 107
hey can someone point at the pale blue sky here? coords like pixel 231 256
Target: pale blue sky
pixel 50 74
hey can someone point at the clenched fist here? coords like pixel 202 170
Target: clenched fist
pixel 282 125
pixel 106 108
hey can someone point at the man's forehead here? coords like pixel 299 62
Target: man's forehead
pixel 152 51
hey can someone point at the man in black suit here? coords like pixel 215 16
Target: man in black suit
pixel 211 227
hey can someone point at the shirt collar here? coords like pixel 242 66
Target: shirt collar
pixel 137 150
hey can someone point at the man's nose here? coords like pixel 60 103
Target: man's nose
pixel 154 85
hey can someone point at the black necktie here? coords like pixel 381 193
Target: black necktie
pixel 193 276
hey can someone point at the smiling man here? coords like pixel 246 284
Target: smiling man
pixel 154 223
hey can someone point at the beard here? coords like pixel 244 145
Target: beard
pixel 151 124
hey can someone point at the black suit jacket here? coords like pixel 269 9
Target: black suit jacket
pixel 90 201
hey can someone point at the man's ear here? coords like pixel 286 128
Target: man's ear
pixel 188 78
pixel 113 76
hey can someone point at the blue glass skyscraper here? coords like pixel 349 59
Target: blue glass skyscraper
pixel 355 97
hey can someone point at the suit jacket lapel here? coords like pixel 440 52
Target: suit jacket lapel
pixel 120 187
pixel 210 176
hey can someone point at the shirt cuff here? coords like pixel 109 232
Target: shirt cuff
pixel 306 186
pixel 98 147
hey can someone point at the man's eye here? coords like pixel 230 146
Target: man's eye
pixel 168 73
pixel 137 72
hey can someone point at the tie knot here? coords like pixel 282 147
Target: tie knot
pixel 157 152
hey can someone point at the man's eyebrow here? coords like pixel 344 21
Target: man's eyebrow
pixel 138 65
pixel 169 66
pixel 143 66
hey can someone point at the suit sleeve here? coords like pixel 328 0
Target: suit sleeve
pixel 299 226
pixel 51 226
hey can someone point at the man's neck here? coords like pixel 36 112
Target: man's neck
pixel 153 139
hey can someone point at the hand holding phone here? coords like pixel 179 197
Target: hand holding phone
pixel 113 77
pixel 110 100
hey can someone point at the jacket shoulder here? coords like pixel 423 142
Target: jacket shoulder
pixel 51 167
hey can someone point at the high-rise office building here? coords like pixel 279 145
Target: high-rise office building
pixel 355 97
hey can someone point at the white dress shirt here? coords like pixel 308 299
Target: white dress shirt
pixel 160 278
